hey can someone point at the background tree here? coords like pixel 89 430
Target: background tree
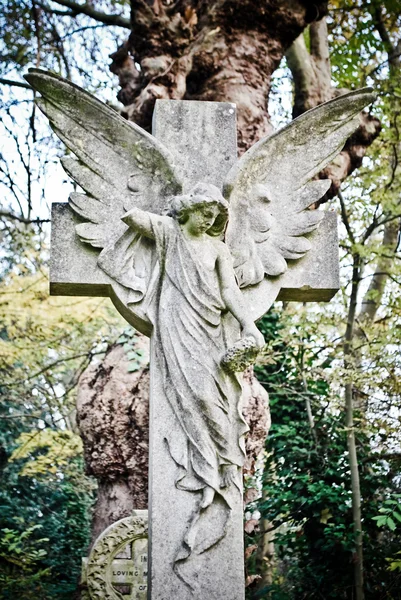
pixel 218 50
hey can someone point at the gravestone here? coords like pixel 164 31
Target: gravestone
pixel 74 271
pixel 155 209
pixel 117 567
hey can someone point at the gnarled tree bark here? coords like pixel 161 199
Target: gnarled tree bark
pixel 113 421
pixel 223 50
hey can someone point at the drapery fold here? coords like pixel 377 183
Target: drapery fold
pixel 181 289
pixel 189 345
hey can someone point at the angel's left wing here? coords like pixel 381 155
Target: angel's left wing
pixel 271 187
pixel 118 164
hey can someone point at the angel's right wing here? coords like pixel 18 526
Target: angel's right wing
pixel 118 164
pixel 272 187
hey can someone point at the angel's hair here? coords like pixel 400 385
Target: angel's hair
pixel 202 194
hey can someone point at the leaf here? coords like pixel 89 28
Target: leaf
pixel 47 451
pixel 394 564
pixel 325 515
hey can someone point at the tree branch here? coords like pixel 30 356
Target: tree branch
pixel 97 15
pixel 377 15
pixel 345 219
pixel 55 363
pixel 319 47
pixel 300 64
pixel 53 11
pixel 10 215
pixel 310 71
pixel 15 83
pixel 382 456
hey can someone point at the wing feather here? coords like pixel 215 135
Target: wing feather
pixel 119 164
pixel 93 233
pixel 87 208
pixel 275 179
pixel 272 259
pixel 94 184
pixel 302 223
pixel 311 193
pixel 292 247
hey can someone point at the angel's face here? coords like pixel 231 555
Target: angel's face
pixel 201 219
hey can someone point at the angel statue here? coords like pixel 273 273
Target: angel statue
pixel 181 257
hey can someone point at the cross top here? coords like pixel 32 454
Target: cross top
pixel 193 247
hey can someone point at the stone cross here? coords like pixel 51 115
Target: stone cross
pixel 202 139
pixel 193 246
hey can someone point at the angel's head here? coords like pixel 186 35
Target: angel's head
pixel 203 208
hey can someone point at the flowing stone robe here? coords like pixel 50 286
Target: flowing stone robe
pixel 186 309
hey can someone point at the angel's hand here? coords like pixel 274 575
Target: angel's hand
pixel 140 221
pixel 251 331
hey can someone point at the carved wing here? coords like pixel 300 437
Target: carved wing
pixel 271 187
pixel 118 164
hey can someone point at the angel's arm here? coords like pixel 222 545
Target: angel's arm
pixel 139 220
pixel 232 295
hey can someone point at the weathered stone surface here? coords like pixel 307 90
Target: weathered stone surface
pixel 313 278
pixel 171 509
pixel 158 217
pixel 316 275
pixel 203 131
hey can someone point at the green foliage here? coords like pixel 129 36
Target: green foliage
pixel 390 513
pixel 45 498
pixel 45 524
pixel 306 499
pixel 47 451
pixel 20 560
pixel 136 356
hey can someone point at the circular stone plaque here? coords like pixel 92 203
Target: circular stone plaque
pixel 105 571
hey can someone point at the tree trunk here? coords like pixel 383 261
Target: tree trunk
pixel 350 428
pixel 221 50
pixel 113 420
pixel 312 86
